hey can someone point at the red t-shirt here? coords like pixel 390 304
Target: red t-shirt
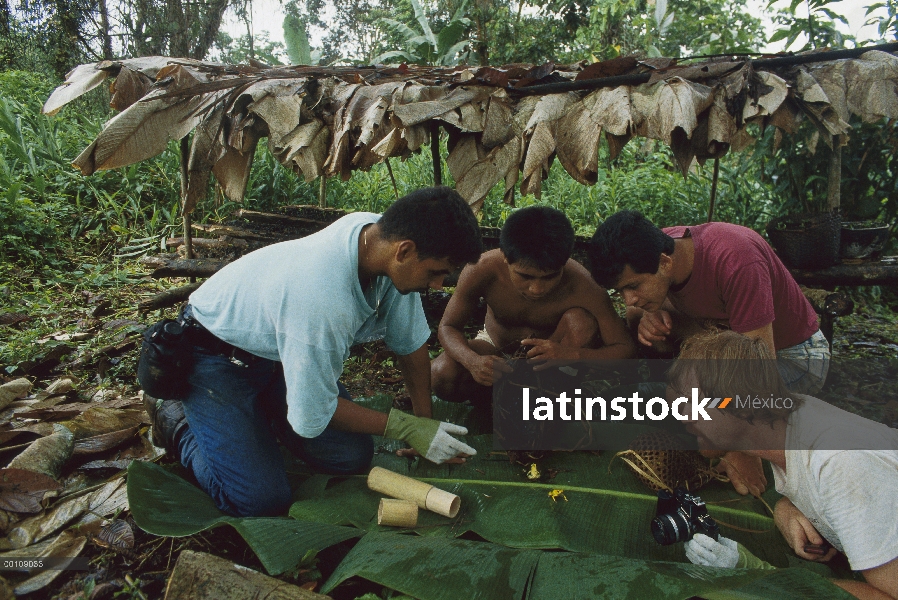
pixel 737 277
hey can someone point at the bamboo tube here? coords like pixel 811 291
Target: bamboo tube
pixel 397 513
pixel 423 494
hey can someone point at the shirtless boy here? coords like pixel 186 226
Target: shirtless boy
pixel 536 295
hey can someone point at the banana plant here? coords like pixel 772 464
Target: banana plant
pixel 446 48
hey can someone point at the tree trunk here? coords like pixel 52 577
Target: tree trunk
pixel 104 30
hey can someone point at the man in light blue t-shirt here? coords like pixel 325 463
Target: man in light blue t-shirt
pixel 270 333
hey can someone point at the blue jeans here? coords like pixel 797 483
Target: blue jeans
pixel 804 366
pixel 235 416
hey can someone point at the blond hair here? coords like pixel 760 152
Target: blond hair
pixel 728 364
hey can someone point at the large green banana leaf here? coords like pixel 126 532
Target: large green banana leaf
pixel 165 504
pixel 606 514
pixel 453 569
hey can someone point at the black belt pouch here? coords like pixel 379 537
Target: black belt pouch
pixel 165 361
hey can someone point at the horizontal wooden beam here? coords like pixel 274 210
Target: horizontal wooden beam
pixel 882 272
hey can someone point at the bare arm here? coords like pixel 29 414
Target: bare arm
pixel 458 312
pixel 349 416
pixel 415 368
pixel 616 340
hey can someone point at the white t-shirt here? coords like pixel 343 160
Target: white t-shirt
pixel 300 303
pixel 850 496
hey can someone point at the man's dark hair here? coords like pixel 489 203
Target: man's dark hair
pixel 537 235
pixel 439 221
pixel 626 238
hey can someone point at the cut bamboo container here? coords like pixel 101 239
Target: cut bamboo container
pixel 423 494
pixel 397 513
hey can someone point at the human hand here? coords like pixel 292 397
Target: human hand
pixel 548 350
pixel 432 439
pixel 483 368
pixel 705 550
pixel 723 552
pixel 654 327
pixel 745 472
pixel 799 532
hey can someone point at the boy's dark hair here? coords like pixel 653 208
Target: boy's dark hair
pixel 537 235
pixel 626 238
pixel 439 221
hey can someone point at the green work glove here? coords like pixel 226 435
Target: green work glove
pixel 724 552
pixel 430 438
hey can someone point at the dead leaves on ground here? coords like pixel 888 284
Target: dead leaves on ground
pixel 55 491
pixel 332 121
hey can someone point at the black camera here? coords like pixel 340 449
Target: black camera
pixel 680 516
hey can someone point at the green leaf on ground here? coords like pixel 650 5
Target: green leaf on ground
pixel 164 504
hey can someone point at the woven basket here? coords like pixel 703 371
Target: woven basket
pixel 807 241
pixel 661 461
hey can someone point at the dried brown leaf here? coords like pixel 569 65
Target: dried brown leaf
pixel 105 441
pixel 872 86
pixel 68 544
pixel 102 502
pixel 232 172
pixel 100 420
pixel 608 68
pixel 774 93
pixel 15 389
pixel 661 108
pixel 418 112
pixel 480 178
pixel 497 127
pixel 24 491
pixel 463 155
pixel 47 455
pixel 129 87
pixel 78 81
pixel 540 149
pixel 143 130
pixel 550 108
pixel 577 144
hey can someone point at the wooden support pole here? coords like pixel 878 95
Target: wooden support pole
pixel 187 233
pixel 835 175
pixel 392 178
pixel 435 153
pixel 713 189
pixel 322 192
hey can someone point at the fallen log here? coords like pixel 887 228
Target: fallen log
pixel 211 243
pixel 201 576
pixel 263 217
pixel 187 267
pixel 168 297
pixel 235 232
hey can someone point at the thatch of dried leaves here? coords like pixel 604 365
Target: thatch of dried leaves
pixel 330 121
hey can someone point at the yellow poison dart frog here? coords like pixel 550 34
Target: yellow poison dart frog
pixel 533 474
pixel 555 494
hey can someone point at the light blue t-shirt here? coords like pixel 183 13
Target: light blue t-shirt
pixel 300 303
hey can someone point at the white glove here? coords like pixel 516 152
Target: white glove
pixel 432 439
pixel 703 550
pixel 725 553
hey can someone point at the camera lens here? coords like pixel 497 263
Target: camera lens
pixel 671 528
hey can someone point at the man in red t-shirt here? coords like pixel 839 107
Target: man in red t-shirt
pixel 681 280
pixel 684 280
